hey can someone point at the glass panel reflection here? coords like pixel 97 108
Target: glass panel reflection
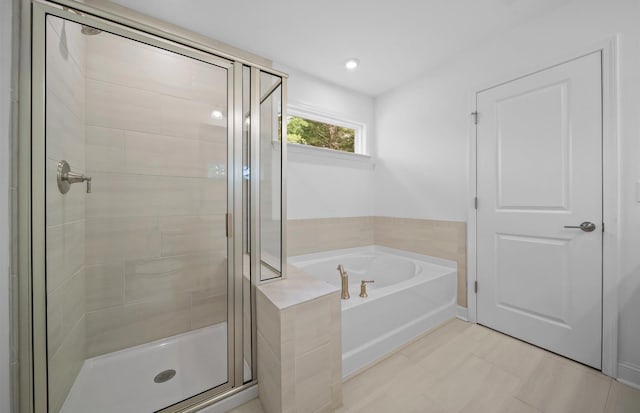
pixel 270 175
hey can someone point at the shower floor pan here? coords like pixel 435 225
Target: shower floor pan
pixel 140 379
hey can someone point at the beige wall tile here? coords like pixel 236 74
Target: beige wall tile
pixel 205 82
pixel 64 77
pixel 191 119
pixel 129 195
pixel 442 239
pixel 105 286
pixel 65 365
pixel 306 236
pixel 76 43
pixel 165 155
pixel 110 105
pixel 65 132
pixel 312 325
pixel 56 273
pixel 269 323
pixel 301 236
pixel 173 75
pixel 112 240
pixel 65 252
pixel 205 233
pixel 74 304
pixel 104 149
pixel 304 342
pixel 313 379
pixel 74 246
pixel 269 375
pixel 207 310
pixel 163 277
pixel 307 352
pixel 156 242
pixel 121 151
pixel 55 320
pixel 65 214
pixel 288 376
pixel 120 327
pixel 171 72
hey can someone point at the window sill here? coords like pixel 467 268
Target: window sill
pixel 305 153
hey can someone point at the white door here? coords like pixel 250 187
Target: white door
pixel 539 169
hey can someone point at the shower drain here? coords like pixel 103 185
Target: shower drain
pixel 164 376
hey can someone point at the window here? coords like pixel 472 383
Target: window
pixel 320 134
pixel 312 129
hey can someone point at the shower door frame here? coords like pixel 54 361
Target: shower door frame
pixel 31 226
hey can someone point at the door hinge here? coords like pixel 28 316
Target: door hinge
pixel 475 202
pixel 475 287
pixel 475 117
pixel 229 224
pixel 603 227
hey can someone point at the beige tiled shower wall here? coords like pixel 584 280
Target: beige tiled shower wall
pixel 155 222
pixel 65 216
pixel 443 239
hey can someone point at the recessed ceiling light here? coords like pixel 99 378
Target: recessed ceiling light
pixel 352 64
pixel 216 114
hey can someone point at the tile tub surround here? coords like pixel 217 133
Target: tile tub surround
pixel 299 345
pixel 306 236
pixel 441 239
pixel 155 224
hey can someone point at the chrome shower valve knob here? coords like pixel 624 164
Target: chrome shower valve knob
pixel 66 177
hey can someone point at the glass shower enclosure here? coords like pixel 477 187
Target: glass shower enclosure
pixel 156 174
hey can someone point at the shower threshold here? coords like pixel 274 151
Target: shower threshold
pixel 152 376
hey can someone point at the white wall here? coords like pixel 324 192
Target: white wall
pixel 422 130
pixel 320 185
pixel 5 110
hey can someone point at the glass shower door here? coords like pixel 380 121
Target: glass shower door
pixel 138 310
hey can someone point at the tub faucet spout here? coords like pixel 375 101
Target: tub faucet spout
pixel 345 283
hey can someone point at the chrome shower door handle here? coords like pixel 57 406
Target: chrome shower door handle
pixel 585 226
pixel 66 177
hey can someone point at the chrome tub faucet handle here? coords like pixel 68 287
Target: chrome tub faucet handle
pixel 363 288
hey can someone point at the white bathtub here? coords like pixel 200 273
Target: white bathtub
pixel 412 294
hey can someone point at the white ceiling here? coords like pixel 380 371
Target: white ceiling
pixel 394 40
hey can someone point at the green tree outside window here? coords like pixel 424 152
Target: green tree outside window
pixel 319 134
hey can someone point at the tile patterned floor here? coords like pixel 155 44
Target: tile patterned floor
pixel 467 368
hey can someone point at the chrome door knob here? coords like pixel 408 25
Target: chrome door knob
pixel 585 226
